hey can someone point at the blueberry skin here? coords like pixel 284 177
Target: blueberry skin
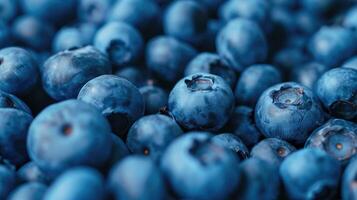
pixel 287 59
pixel 255 10
pixel 94 11
pixel 119 150
pixel 272 150
pixel 121 42
pixel 185 20
pixel 242 43
pixel 155 98
pixel 309 174
pixel 254 81
pixel 348 181
pixel 118 100
pixel 67 38
pixel 5 35
pixel 13 134
pixel 308 74
pixel 211 63
pixel 337 137
pixel 62 126
pixel 9 10
pixel 211 6
pixel 18 71
pixel 232 142
pixel 349 19
pixel 259 180
pixel 351 63
pixel 201 102
pixel 331 46
pixel 318 6
pixel 139 13
pixel 29 191
pixel 336 89
pixel 308 23
pixel 243 125
pixel 7 181
pixel 167 57
pixel 53 11
pixel 64 74
pixel 151 135
pixel 77 183
pixel 11 101
pixel 210 171
pixel 137 177
pixel 30 172
pixel 32 32
pixel 288 111
pixel 133 74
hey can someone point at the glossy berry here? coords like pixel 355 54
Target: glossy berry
pixel 337 137
pixel 155 98
pixel 210 171
pixel 232 142
pixel 337 89
pixel 272 150
pixel 288 111
pixel 68 38
pixel 64 74
pixel 310 174
pixel 151 135
pixel 201 102
pixel 118 100
pixel 31 191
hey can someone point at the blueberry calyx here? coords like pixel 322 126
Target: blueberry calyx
pixel 67 129
pixel 281 151
pixel 205 152
pixel 200 83
pixel 288 96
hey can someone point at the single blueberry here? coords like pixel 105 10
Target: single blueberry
pixel 337 89
pixel 135 75
pixel 64 74
pixel 67 38
pixel 137 177
pixel 308 74
pixel 201 102
pixel 7 181
pixel 151 135
pixel 350 18
pixel 69 134
pixel 155 98
pixel 310 174
pixel 288 111
pixel 8 10
pixel 272 150
pixel 232 142
pixel 94 11
pixel 29 191
pixel 118 100
pixel 197 168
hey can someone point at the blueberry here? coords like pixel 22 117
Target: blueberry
pixel 32 32
pixel 201 102
pixel 67 38
pixel 69 134
pixel 242 43
pixel 286 4
pixel 348 188
pixel 349 20
pixel 7 181
pixel 18 71
pixel 137 177
pixel 167 58
pixel 253 81
pixel 310 174
pixel 29 191
pixel 8 10
pixel 118 100
pixel 308 74
pixel 14 125
pixel 155 98
pixel 151 134
pixel 133 74
pixel 121 42
pixel 197 168
pixel 259 180
pixel 308 23
pixel 288 59
pixel 185 20
pixel 211 63
pixel 255 10
pixel 77 183
pixel 11 101
pixel 351 63
pixel 331 46
pixel 139 13
pixel 66 72
pixel 119 150
pixel 211 6
pixel 272 150
pixel 337 90
pixel 243 125
pixel 232 142
pixel 288 111
pixel 30 172
pixel 318 6
pixel 53 11
pixel 5 35
pixel 94 11
pixel 337 137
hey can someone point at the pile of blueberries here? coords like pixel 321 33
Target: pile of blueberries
pixel 178 99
